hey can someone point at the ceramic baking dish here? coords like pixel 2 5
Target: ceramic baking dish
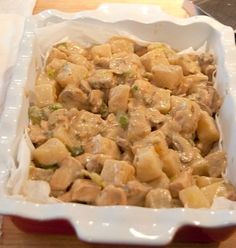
pixel 119 224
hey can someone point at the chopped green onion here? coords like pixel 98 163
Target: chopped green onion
pixel 51 72
pixel 123 120
pixel 104 110
pixel 55 106
pixel 76 151
pixel 35 114
pixel 134 89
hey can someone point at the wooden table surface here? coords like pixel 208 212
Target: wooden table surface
pixel 12 237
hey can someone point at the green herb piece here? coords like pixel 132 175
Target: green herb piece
pixel 55 106
pixel 51 72
pixel 35 114
pixel 104 110
pixel 134 89
pixel 123 120
pixel 76 151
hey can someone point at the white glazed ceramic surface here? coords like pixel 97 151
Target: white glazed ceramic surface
pixel 119 224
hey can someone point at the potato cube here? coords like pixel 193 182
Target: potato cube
pixel 101 51
pixel 153 58
pixel 158 198
pixel 162 100
pixel 210 191
pixel 167 76
pixel 119 45
pixel 117 172
pixel 161 182
pixel 183 180
pixel 101 145
pixel 51 152
pixel 84 190
pixel 171 163
pixel 111 195
pixel 207 131
pixel 148 164
pixel 193 197
pixel 202 181
pixel 45 94
pixel 118 98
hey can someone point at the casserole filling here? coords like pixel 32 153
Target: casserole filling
pixel 124 124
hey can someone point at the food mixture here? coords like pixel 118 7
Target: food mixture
pixel 124 124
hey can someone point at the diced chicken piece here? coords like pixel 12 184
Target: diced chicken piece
pixel 66 197
pixel 93 162
pixel 207 64
pixel 101 79
pixel 118 98
pixel 73 97
pixel 101 51
pixel 153 58
pixel 58 116
pixel 85 87
pixel 193 197
pixel 101 145
pixel 55 53
pixel 66 174
pixel 185 149
pixel 45 95
pixel 188 62
pixel 87 125
pixel 202 181
pixel 119 44
pixel 51 152
pixel 217 163
pixel 158 198
pixel 186 113
pixel 70 73
pixel 167 76
pixel 117 172
pixel 113 129
pixel 199 165
pixel 111 195
pixel 210 191
pixel 206 96
pixel 148 164
pixel 96 100
pixel 136 193
pixel 161 182
pixel 84 191
pixel 138 126
pixel 37 134
pixel 40 174
pixel 207 132
pixel 171 163
pixel 182 181
pixel 226 190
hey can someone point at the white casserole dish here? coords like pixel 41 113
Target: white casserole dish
pixel 119 224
